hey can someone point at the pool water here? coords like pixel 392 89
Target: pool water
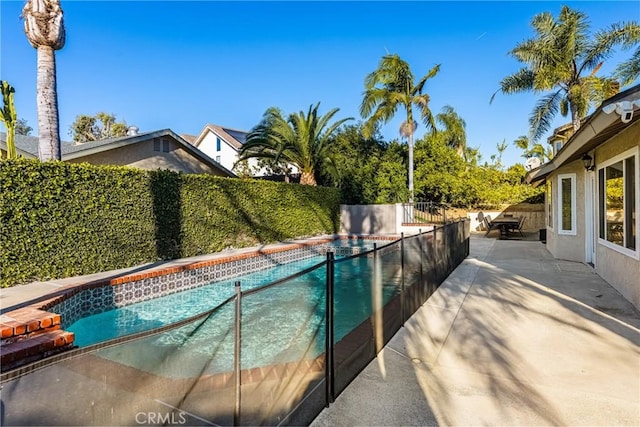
pixel 280 324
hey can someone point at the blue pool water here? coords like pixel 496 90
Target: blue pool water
pixel 280 324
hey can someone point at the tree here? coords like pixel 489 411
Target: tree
pixel 23 128
pixel 522 142
pixel 562 61
pixel 535 150
pixel 628 71
pixel 44 27
pixel 438 170
pixel 93 128
pixel 454 131
pixel 299 139
pixel 501 147
pixel 8 117
pixel 389 87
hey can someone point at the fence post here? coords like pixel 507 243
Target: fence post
pixel 420 238
pixel 328 359
pixel 236 354
pixel 402 316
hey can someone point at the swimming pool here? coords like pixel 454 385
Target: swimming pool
pixel 280 324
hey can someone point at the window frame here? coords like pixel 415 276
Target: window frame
pixel 601 198
pixel 549 204
pixel 559 201
pixel 218 144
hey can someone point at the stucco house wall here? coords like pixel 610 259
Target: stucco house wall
pixel 620 270
pixel 607 140
pixel 569 247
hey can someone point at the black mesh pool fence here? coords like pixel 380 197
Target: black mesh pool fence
pixel 273 355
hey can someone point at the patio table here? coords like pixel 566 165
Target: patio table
pixel 505 224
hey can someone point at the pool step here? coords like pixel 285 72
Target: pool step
pixel 21 323
pixel 30 334
pixel 35 347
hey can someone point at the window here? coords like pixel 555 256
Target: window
pixel 166 145
pixel 549 194
pixel 218 159
pixel 617 202
pixel 156 145
pixel 217 144
pixel 567 204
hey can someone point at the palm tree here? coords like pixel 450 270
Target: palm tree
pixel 391 86
pixel 44 27
pixel 535 150
pixel 501 147
pixel 454 132
pixel 299 139
pixel 563 58
pixel 522 142
pixel 628 71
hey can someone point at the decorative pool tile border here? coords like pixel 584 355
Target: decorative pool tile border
pixel 93 298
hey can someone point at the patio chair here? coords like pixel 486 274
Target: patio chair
pixel 488 225
pixel 518 228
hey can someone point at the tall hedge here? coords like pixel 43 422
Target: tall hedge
pixel 59 219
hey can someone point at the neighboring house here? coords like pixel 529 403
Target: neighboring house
pixel 221 144
pixel 593 194
pixel 161 149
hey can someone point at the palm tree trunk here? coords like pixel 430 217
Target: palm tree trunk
pixel 47 102
pixel 411 167
pixel 575 118
pixel 307 178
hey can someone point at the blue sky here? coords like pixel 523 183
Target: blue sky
pixel 183 64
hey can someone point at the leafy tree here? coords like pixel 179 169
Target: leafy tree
pixel 438 170
pixel 563 58
pixel 370 170
pixel 8 117
pixel 391 175
pixel 23 128
pixel 389 87
pixel 454 131
pixel 357 160
pixel 93 128
pixel 44 27
pixel 300 139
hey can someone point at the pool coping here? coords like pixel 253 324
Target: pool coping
pixel 34 293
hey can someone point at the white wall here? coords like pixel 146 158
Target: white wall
pixel 228 154
pixel 377 219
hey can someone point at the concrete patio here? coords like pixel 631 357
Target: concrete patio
pixel 512 337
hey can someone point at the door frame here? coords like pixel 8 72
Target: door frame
pixel 590 198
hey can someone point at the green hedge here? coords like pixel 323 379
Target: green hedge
pixel 59 219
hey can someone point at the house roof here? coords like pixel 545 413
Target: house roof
pixel 598 128
pixel 234 137
pixel 188 138
pixel 29 146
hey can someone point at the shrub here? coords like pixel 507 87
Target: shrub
pixel 59 219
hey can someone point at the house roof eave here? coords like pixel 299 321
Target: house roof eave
pixel 597 129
